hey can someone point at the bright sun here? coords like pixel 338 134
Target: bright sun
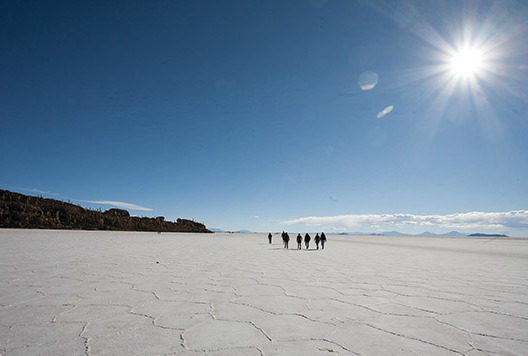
pixel 467 62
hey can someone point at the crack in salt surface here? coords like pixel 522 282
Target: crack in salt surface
pixel 360 306
pixel 339 345
pixel 55 317
pixel 212 310
pixel 483 310
pixel 202 351
pixel 500 337
pixel 412 338
pixel 43 295
pixel 86 339
pixel 487 298
pixel 285 292
pixel 261 330
pixel 434 298
pixel 153 320
pixel 416 308
pixel 476 333
pixel 473 348
pixel 183 342
pixel 281 314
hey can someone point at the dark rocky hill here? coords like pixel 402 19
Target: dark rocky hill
pixel 29 212
pixel 479 234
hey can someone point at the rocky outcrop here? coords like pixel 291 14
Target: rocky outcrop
pixel 117 212
pixel 29 212
pixel 479 234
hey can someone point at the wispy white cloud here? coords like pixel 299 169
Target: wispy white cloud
pixel 33 190
pixel 517 219
pixel 118 204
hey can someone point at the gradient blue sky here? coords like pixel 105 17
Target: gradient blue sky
pixel 249 114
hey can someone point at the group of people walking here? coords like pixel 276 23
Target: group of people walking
pixel 307 238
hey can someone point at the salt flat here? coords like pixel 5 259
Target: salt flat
pixel 115 293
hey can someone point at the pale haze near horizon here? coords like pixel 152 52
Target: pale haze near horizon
pixel 306 116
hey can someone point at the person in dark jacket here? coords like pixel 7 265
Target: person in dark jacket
pixel 323 240
pixel 269 237
pixel 307 239
pixel 316 239
pixel 286 240
pixel 299 241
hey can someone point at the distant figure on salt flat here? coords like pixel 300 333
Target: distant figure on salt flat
pixel 299 241
pixel 269 237
pixel 323 240
pixel 316 239
pixel 307 239
pixel 285 239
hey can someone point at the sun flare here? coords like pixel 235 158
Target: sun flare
pixel 467 62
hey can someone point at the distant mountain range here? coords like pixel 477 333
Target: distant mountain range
pixel 425 233
pixel 385 233
pixel 216 230
pixel 450 233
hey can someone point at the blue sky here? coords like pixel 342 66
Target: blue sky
pixel 252 115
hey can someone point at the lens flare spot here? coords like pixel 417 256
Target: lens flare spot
pixel 368 80
pixel 385 111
